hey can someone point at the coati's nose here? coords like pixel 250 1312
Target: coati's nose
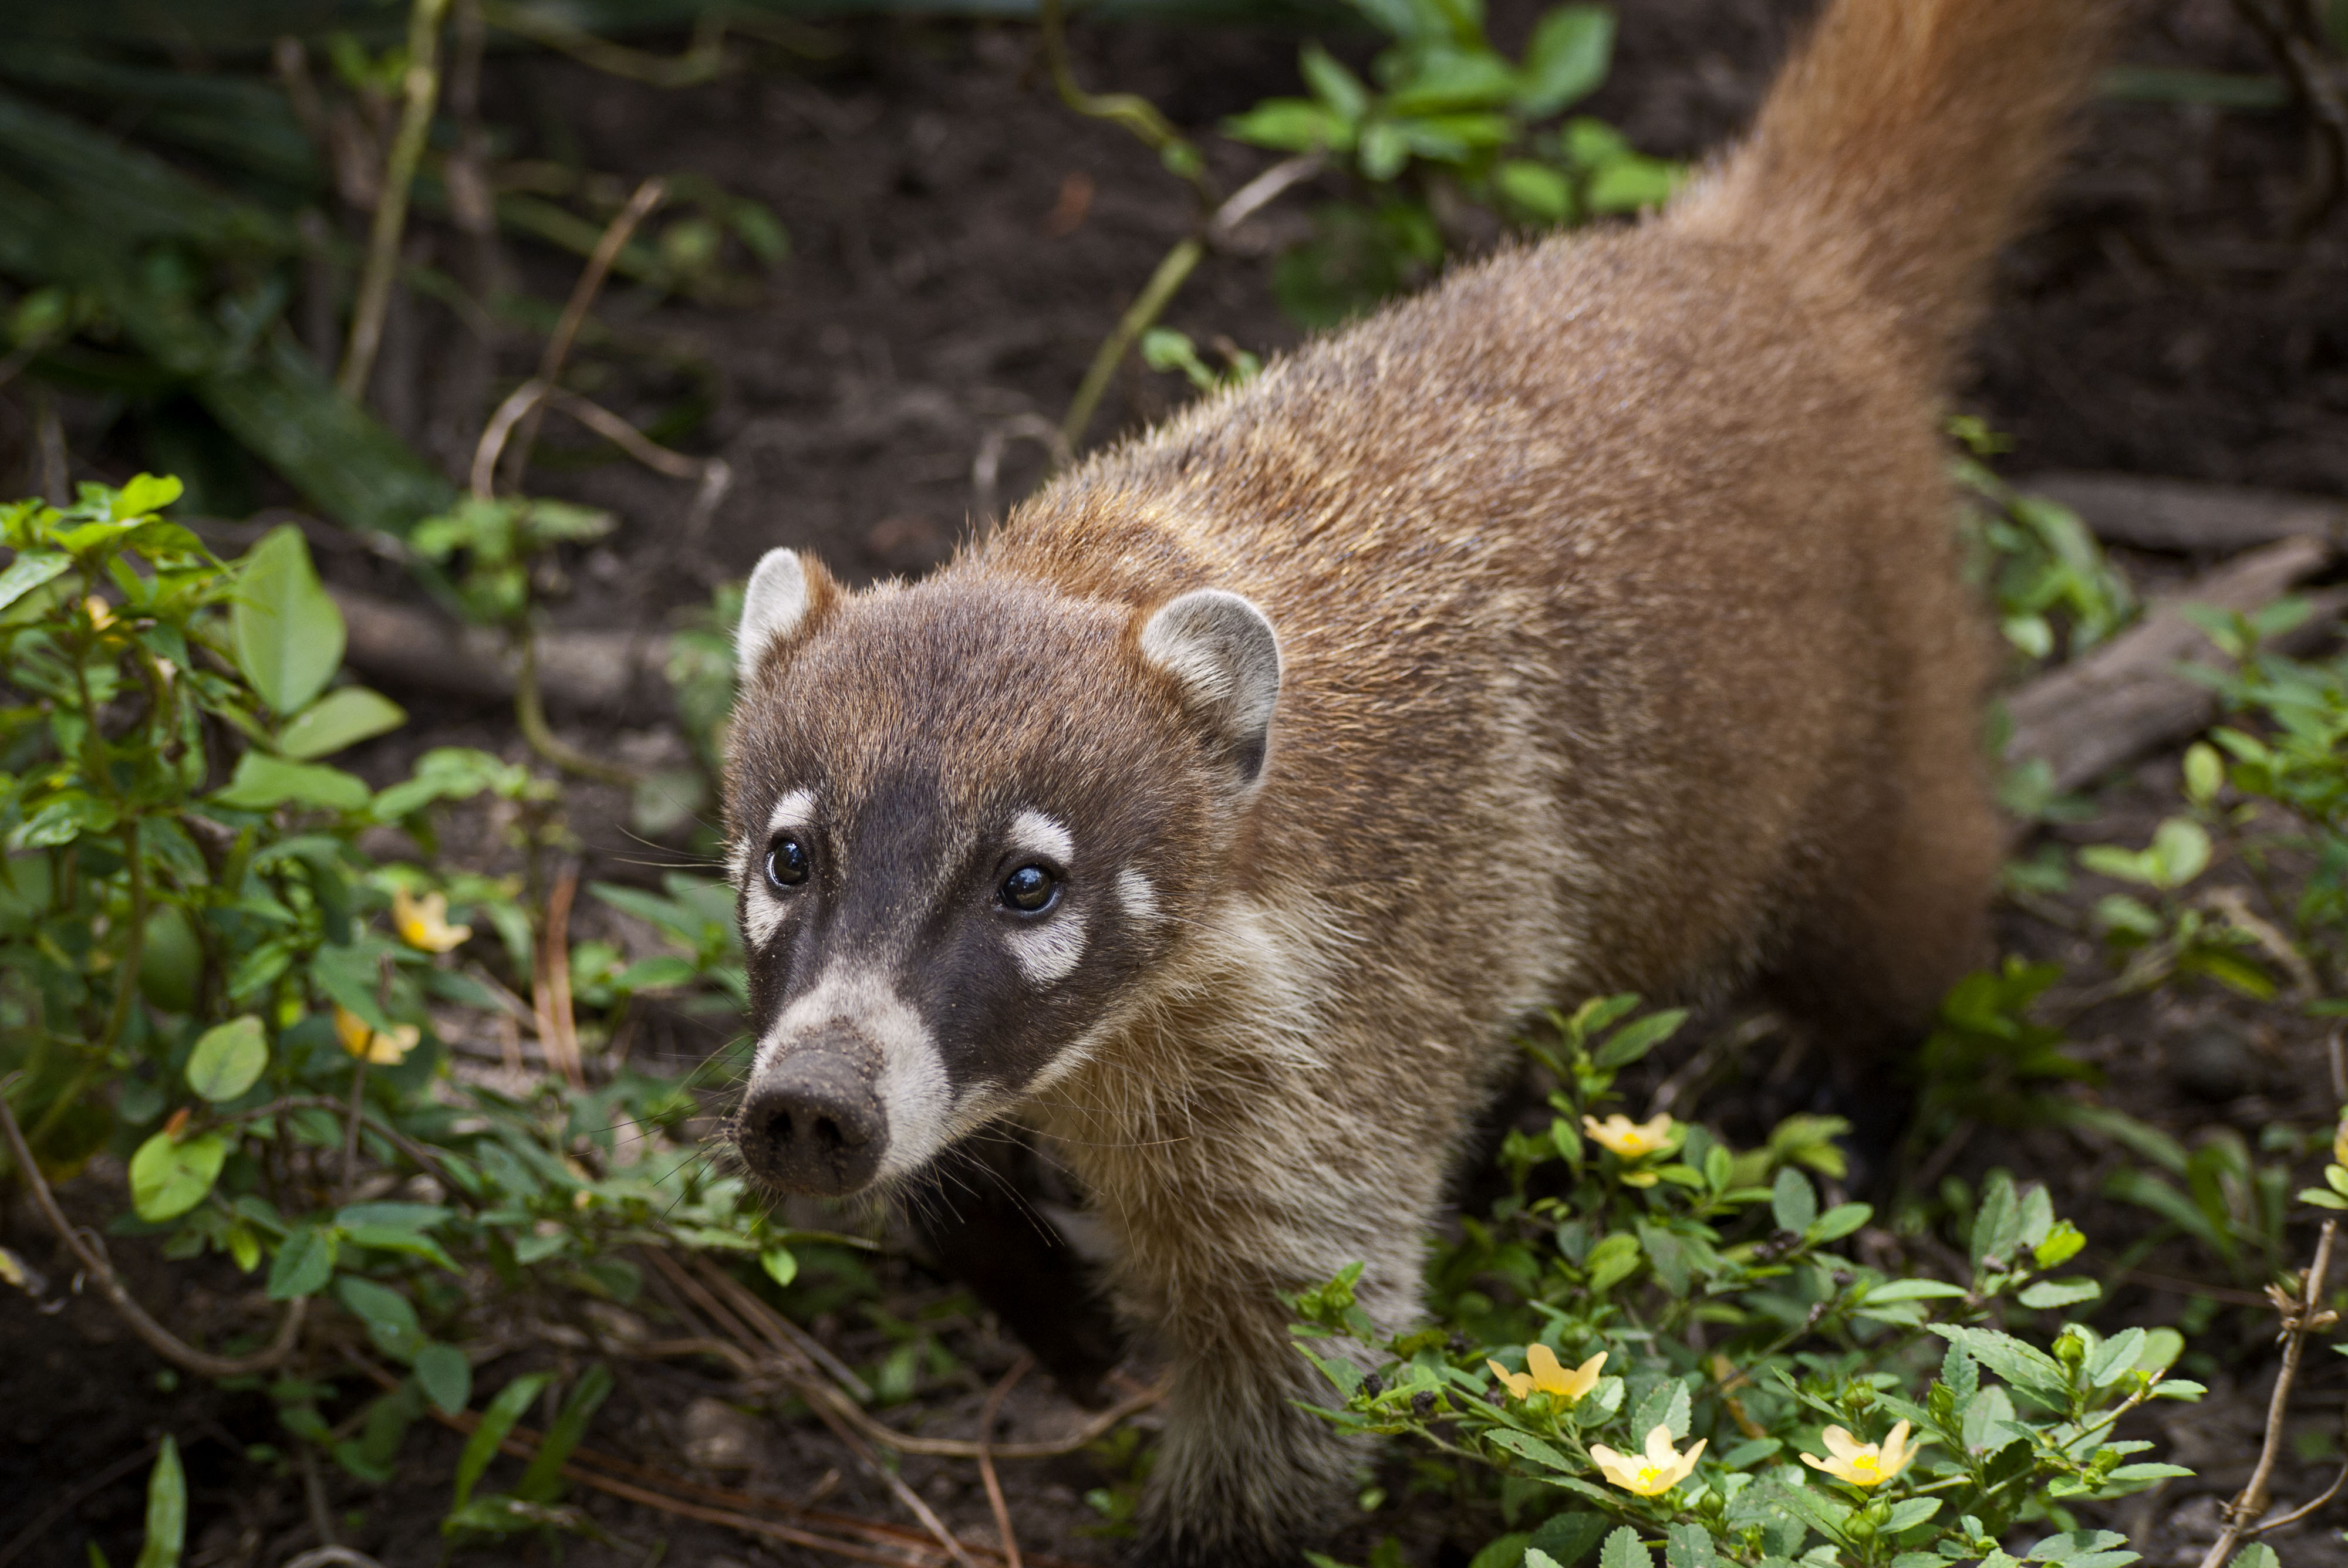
pixel 811 1123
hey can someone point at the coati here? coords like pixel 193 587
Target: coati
pixel 1591 622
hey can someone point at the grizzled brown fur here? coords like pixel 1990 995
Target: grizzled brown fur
pixel 1621 647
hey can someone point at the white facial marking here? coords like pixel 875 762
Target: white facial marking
pixel 910 1083
pixel 1139 898
pixel 1048 838
pixel 1049 951
pixel 762 907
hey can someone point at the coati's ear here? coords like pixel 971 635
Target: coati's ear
pixel 788 594
pixel 1220 650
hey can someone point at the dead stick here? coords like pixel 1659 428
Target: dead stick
pixel 421 88
pixel 986 1460
pixel 575 313
pixel 159 1340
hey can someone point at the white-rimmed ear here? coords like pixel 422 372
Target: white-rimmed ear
pixel 1221 651
pixel 784 591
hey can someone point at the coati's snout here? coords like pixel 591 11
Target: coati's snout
pixel 967 824
pixel 812 1122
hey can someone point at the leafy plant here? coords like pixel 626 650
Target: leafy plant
pixel 1657 1337
pixel 1443 107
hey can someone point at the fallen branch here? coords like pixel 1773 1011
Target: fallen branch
pixel 2127 697
pixel 995 1502
pixel 2181 515
pixel 592 672
pixel 159 1340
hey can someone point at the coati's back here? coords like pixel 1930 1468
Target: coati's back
pixel 1589 623
pixel 1633 551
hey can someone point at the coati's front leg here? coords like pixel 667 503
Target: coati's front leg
pixel 1213 1242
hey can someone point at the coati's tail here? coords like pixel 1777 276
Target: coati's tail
pixel 1902 145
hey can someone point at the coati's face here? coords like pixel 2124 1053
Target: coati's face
pixel 967 820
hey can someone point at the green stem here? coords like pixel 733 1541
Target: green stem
pixel 422 88
pixel 1131 110
pixel 1155 297
pixel 529 713
pixel 134 947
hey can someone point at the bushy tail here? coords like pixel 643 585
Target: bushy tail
pixel 1904 143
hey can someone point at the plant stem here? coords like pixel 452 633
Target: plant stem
pixel 2241 1515
pixel 1131 110
pixel 1155 296
pixel 530 712
pixel 422 88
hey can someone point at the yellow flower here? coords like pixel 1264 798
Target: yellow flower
pixel 101 614
pixel 424 922
pixel 1655 1472
pixel 1863 1464
pixel 1630 1140
pixel 1549 1376
pixel 2340 1144
pixel 383 1047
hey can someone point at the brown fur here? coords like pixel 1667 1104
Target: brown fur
pixel 1624 650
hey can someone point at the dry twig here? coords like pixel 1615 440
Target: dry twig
pixel 986 1460
pixel 558 1029
pixel 2303 1315
pixel 159 1340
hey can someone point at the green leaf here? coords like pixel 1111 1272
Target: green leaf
pixel 1836 1223
pixel 1910 1513
pixel 539 1483
pixel 1508 1552
pixel 1910 1290
pixel 167 1511
pixel 168 1178
pixel 2050 1293
pixel 262 780
pixel 1569 56
pixel 1537 188
pixel 1536 1558
pixel 303 1265
pixel 288 633
pixel 340 718
pixel 389 1316
pixel 1633 1041
pixel 400 1239
pixel 2029 1369
pixel 229 1059
pixel 499 1419
pixel 1688 1547
pixel 2180 851
pixel 1793 1201
pixel 1623 1550
pixel 781 1266
pixel 28 571
pixel 445 1376
pixel 1526 1446
pixel 1567 1538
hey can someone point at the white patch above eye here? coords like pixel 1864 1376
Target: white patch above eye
pixel 1032 833
pixel 1139 898
pixel 795 809
pixel 1049 951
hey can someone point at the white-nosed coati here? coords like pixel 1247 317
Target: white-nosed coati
pixel 1591 622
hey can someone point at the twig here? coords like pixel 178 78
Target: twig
pixel 75 1496
pixel 647 196
pixel 332 1557
pixel 986 467
pixel 529 714
pixel 703 60
pixel 1163 284
pixel 986 1458
pixel 420 88
pixel 558 1033
pixel 1167 281
pixel 351 1130
pixel 1131 110
pixel 2301 1317
pixel 159 1340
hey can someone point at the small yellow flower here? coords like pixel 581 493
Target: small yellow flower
pixel 424 922
pixel 2340 1144
pixel 1863 1464
pixel 383 1047
pixel 1655 1472
pixel 1549 1376
pixel 1630 1140
pixel 101 614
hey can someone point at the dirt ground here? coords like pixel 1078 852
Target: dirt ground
pixel 960 245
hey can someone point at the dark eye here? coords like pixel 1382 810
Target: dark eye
pixel 786 862
pixel 1030 890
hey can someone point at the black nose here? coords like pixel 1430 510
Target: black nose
pixel 811 1123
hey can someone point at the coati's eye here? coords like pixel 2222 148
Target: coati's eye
pixel 1030 890
pixel 786 862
